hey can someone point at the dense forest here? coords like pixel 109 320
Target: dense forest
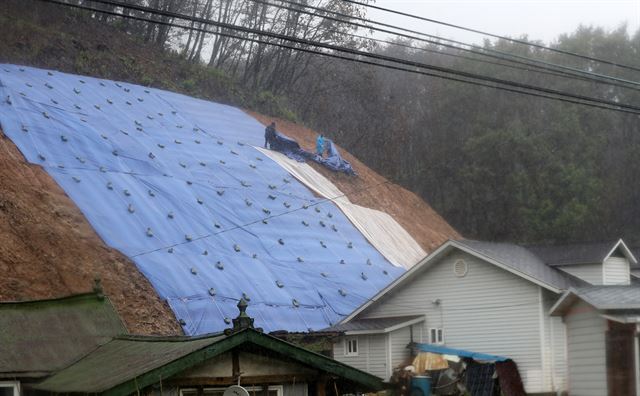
pixel 497 165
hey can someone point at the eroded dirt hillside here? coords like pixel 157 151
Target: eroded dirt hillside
pixel 48 249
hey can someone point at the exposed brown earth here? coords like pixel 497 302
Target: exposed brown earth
pixel 371 190
pixel 48 249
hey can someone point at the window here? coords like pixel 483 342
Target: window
pixel 351 346
pixel 10 388
pixel 435 336
pixel 276 390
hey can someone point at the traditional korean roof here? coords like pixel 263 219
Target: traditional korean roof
pixel 129 363
pixel 121 360
pixel 40 337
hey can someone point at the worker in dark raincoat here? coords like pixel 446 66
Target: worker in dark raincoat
pixel 270 135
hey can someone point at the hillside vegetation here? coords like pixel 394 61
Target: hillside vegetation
pixel 496 165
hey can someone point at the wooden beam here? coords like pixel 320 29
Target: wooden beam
pixel 235 363
pixel 256 379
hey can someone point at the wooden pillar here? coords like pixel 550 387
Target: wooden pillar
pixel 321 387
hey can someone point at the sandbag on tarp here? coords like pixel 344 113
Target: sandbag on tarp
pixel 289 147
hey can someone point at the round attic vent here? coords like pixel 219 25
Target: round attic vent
pixel 460 268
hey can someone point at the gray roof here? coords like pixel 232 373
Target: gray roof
pixel 571 254
pixel 39 337
pixel 522 260
pixel 610 297
pixel 377 324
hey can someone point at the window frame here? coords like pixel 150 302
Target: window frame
pixel 201 389
pixel 439 336
pixel 11 384
pixel 347 346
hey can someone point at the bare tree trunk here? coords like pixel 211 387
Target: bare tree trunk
pixel 193 15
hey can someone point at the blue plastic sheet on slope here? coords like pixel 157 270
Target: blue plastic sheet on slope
pixel 173 183
pixel 292 149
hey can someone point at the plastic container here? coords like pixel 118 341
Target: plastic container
pixel 421 385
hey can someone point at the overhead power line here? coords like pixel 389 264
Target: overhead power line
pixel 526 66
pixel 510 65
pixel 532 44
pixel 437 40
pixel 593 102
pixel 379 57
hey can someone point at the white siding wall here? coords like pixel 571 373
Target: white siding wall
pixel 586 351
pixel 378 355
pixel 372 354
pixel 555 346
pixel 591 273
pixel 361 360
pixel 399 340
pixel 616 271
pixel 489 310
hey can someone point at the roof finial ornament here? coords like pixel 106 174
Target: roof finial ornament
pixel 97 287
pixel 243 321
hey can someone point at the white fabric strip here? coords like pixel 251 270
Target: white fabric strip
pixel 380 229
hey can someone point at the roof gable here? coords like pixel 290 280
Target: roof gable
pixel 509 257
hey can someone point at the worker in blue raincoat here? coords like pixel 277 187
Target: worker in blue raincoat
pixel 320 145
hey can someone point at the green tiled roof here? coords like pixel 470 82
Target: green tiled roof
pixel 127 364
pixel 120 360
pixel 40 337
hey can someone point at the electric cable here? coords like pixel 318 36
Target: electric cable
pixel 551 92
pixel 479 49
pixel 532 68
pixel 528 43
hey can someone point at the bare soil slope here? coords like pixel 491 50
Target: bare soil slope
pixel 48 249
pixel 370 189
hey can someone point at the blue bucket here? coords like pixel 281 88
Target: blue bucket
pixel 421 385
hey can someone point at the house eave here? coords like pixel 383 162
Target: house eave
pixel 386 330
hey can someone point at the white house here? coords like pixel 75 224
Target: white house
pixel 502 299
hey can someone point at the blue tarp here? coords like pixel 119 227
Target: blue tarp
pixel 174 183
pixel 459 352
pixel 292 149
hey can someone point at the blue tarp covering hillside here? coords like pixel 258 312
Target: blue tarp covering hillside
pixel 174 184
